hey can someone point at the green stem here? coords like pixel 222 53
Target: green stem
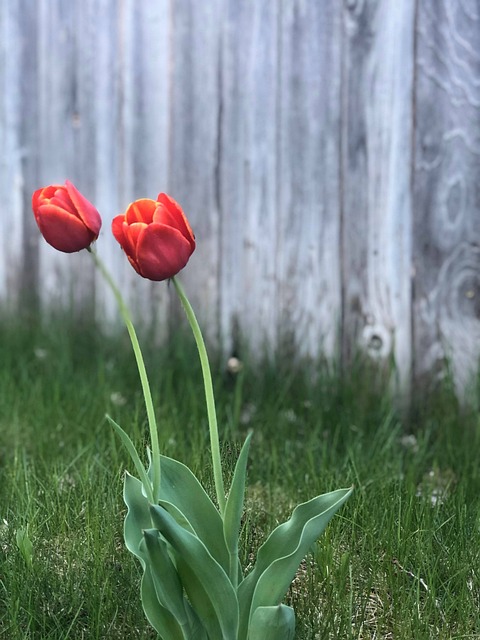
pixel 142 372
pixel 207 381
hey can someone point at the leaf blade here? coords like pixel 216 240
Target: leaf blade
pixel 181 488
pixel 280 555
pixel 272 623
pixel 203 578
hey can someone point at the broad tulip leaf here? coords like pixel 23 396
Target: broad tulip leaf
pixel 196 629
pixel 280 555
pixel 168 586
pixel 184 497
pixel 138 515
pixel 200 599
pixel 160 618
pixel 182 494
pixel 130 447
pixel 205 581
pixel 234 509
pixel 272 623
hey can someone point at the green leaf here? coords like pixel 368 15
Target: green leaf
pixel 280 555
pixel 138 515
pixel 185 498
pixel 137 520
pixel 272 623
pixel 168 586
pixel 204 580
pixel 160 618
pixel 130 447
pixel 234 509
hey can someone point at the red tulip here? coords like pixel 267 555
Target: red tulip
pixel 156 237
pixel 66 219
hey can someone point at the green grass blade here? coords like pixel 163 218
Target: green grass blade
pixel 234 510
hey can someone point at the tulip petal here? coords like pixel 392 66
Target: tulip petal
pixel 62 230
pixel 172 214
pixel 85 209
pixel 117 229
pixel 35 201
pixel 63 200
pixel 42 196
pixel 127 237
pixel 140 211
pixel 134 265
pixel 162 252
pixel 131 234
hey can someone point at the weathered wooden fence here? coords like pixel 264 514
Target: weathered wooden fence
pixel 325 151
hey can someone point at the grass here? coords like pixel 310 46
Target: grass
pixel 400 561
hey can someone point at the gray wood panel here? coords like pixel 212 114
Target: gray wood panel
pixel 446 189
pixel 377 109
pixel 309 192
pixel 247 176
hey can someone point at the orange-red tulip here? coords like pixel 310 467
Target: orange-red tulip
pixel 156 236
pixel 66 219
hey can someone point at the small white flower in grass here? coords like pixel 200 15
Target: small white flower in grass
pixel 117 399
pixel 234 365
pixel 409 442
pixel 40 353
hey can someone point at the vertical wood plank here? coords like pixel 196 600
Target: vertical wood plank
pixel 28 19
pixel 153 105
pixel 376 178
pixel 248 172
pixel 106 105
pixel 11 174
pixel 195 105
pixel 135 289
pixel 308 249
pixel 63 127
pixel 144 115
pixel 446 189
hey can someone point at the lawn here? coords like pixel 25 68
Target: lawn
pixel 400 561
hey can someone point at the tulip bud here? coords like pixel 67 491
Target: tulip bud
pixel 66 219
pixel 156 236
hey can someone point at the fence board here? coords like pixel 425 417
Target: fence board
pixel 376 177
pixel 248 172
pixel 195 95
pixel 447 195
pixel 143 103
pixel 308 244
pixel 11 173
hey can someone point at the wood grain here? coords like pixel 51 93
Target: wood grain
pixel 446 192
pixel 248 157
pixel 376 179
pixel 194 130
pixel 326 154
pixel 308 244
pixel 12 176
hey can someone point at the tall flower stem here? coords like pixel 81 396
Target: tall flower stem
pixel 152 424
pixel 207 381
